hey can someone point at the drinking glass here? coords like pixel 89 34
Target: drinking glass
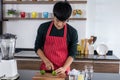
pixel 88 72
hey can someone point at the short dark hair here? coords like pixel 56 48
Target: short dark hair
pixel 62 10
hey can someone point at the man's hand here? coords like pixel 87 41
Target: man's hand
pixel 60 70
pixel 49 65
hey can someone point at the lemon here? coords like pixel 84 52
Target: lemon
pixel 42 72
pixel 54 73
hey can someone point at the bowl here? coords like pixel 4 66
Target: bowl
pixel 102 49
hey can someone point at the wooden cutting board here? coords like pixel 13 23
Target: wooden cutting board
pixel 48 76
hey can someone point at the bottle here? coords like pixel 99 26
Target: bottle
pixel 86 47
pixel 82 46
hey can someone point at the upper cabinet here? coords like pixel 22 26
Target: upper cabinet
pixel 18 10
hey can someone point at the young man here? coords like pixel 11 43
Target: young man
pixel 56 41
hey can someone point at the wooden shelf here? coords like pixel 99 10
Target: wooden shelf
pixel 41 2
pixel 8 18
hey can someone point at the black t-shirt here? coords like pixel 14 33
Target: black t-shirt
pixel 72 37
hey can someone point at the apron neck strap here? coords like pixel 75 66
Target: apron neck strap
pixel 50 27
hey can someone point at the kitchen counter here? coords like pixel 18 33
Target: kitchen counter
pixel 29 60
pixel 33 55
pixel 28 74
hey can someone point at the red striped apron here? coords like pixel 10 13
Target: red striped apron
pixel 55 49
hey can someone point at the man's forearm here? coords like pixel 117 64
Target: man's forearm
pixel 41 55
pixel 68 62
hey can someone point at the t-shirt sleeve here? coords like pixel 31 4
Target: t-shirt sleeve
pixel 73 44
pixel 39 39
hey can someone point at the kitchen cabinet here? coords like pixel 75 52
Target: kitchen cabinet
pixel 0 27
pixel 108 64
pixel 0 10
pixel 99 66
pixel 103 66
pixel 38 2
pixel 1 16
pixel 79 65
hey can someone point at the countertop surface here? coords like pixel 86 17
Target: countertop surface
pixel 28 74
pixel 32 54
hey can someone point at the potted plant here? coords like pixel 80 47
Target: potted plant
pixel 12 13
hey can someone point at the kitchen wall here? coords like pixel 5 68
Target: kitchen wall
pixel 26 30
pixel 103 18
pixel 103 21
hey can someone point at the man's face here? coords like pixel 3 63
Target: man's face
pixel 59 24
